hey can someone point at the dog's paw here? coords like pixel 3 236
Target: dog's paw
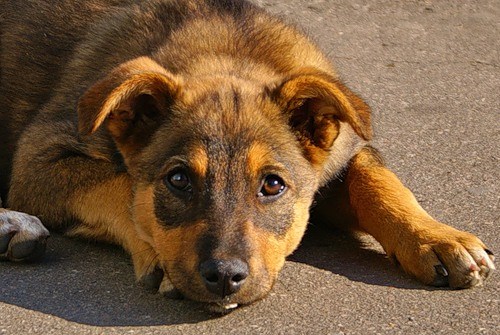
pixel 147 268
pixel 440 255
pixel 22 237
pixel 152 280
pixel 157 281
pixel 151 275
pixel 168 290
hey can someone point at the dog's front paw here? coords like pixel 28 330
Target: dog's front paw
pixel 440 255
pixel 152 278
pixel 156 280
pixel 22 237
pixel 150 274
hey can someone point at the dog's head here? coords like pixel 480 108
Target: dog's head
pixel 225 169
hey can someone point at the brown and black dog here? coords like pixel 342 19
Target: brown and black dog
pixel 195 134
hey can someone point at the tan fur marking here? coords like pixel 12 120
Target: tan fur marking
pixel 257 157
pixel 107 202
pixel 177 247
pixel 104 214
pixel 199 161
pixel 381 201
pixel 266 260
pixel 143 212
pixel 296 232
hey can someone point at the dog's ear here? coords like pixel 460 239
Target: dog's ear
pixel 129 101
pixel 315 104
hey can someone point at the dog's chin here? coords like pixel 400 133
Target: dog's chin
pixel 219 307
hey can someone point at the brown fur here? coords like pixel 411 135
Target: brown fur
pixel 123 96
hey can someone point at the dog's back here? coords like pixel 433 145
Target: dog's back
pixel 39 39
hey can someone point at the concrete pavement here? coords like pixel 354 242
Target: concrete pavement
pixel 430 71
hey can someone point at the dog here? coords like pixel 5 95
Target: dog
pixel 197 135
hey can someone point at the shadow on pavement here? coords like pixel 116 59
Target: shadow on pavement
pixel 94 284
pixel 357 257
pixel 90 284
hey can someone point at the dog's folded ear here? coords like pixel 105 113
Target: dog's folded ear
pixel 315 104
pixel 129 101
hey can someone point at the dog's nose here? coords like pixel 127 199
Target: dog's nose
pixel 224 277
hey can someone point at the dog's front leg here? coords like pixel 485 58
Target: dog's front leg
pixel 433 252
pixel 87 193
pixel 104 212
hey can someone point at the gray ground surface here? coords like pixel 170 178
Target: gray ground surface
pixel 430 70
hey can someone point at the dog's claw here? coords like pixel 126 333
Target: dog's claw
pixel 441 270
pixel 490 253
pixel 441 276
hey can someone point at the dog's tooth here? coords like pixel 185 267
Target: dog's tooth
pixel 230 306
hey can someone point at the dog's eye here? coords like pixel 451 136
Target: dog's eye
pixel 179 181
pixel 273 185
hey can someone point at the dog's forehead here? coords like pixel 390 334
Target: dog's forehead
pixel 223 159
pixel 223 96
pixel 232 120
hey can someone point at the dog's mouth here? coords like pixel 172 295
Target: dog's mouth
pixel 223 306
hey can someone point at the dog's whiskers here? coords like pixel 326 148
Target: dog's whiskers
pixel 142 251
